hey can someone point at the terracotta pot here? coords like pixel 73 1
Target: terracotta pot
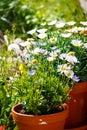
pixel 44 122
pixel 2 127
pixel 77 106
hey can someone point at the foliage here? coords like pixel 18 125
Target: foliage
pixel 25 15
pixel 31 71
pixel 47 65
pixel 6 100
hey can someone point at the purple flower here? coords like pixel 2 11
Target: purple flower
pixel 32 72
pixel 75 78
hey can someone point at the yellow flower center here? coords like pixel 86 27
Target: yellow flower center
pixel 53 40
pixel 64 68
pixel 34 62
pixel 55 54
pixel 76 44
pixel 71 53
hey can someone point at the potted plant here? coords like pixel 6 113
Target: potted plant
pixel 47 66
pixel 43 79
pixel 78 114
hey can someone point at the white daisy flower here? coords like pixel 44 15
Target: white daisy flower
pixel 60 24
pixel 53 54
pixel 62 68
pixel 53 40
pixel 15 48
pixel 26 43
pixel 53 48
pixel 31 32
pixel 66 35
pixel 71 23
pixel 63 56
pixel 43 30
pixel 74 30
pixel 84 23
pixel 81 28
pixel 71 59
pixel 57 51
pixel 85 29
pixel 52 22
pixel 36 51
pixel 6 39
pixel 18 41
pixel 76 43
pixel 42 35
pixel 43 24
pixel 43 44
pixel 69 73
pixel 50 59
pixel 85 45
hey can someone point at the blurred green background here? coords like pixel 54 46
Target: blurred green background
pixel 26 14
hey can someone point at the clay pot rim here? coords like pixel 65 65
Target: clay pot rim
pixel 37 116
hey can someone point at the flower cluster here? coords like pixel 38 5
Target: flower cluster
pixel 48 63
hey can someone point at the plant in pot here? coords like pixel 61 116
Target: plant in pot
pixel 42 81
pixel 78 113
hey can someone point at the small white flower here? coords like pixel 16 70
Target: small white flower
pixel 76 43
pixel 36 51
pixel 52 22
pixel 71 59
pixel 53 54
pixel 66 35
pixel 53 40
pixel 18 41
pixel 69 73
pixel 43 44
pixel 46 53
pixel 57 51
pixel 50 58
pixel 81 28
pixel 84 23
pixel 43 24
pixel 85 29
pixel 15 48
pixel 74 30
pixel 42 35
pixel 24 44
pixel 85 45
pixel 60 24
pixel 6 39
pixel 31 32
pixel 63 56
pixel 62 68
pixel 71 23
pixel 43 30
pixel 53 48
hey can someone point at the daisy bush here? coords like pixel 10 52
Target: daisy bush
pixel 48 64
